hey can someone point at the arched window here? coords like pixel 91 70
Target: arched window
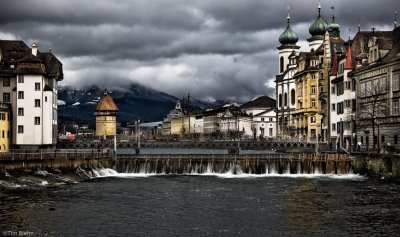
pixel 281 64
pixel 292 96
pixel 285 99
pixel 280 100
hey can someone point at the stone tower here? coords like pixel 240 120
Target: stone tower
pixel 106 116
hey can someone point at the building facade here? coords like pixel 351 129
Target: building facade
pixel 29 85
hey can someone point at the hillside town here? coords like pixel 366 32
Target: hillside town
pixel 343 92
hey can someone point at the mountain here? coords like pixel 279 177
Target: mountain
pixel 135 102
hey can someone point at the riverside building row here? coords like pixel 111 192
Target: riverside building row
pixel 28 96
pixel 342 92
pixel 253 119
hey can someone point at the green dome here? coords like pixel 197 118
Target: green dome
pixel 334 29
pixel 319 27
pixel 288 36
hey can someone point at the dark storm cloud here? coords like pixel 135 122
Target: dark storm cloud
pixel 209 48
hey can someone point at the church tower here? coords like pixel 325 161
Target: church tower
pixel 288 40
pixel 106 114
pixel 317 31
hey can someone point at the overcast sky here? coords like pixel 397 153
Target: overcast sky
pixel 212 49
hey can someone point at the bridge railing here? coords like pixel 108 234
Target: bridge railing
pixel 51 154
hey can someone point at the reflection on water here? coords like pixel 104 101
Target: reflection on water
pixel 201 205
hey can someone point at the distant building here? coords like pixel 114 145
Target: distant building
pixel 261 111
pixel 29 83
pixel 233 119
pixel 166 128
pixel 106 116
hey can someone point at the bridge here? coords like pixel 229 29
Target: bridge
pixel 288 146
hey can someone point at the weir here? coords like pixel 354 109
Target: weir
pixel 271 163
pixel 236 164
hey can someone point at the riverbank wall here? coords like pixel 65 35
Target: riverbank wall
pixel 377 165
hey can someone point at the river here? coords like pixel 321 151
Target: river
pixel 203 205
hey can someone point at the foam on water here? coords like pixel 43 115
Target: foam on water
pixel 235 172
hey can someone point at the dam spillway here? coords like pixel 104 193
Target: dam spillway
pixel 235 164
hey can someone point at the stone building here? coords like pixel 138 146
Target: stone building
pixel 377 74
pixel 106 116
pixel 29 80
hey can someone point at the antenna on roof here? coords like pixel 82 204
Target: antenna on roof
pixel 359 26
pixel 395 18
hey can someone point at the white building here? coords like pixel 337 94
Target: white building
pixel 233 120
pixel 261 111
pixel 29 84
pixel 285 83
pixel 343 101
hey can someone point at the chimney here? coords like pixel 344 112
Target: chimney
pixel 34 49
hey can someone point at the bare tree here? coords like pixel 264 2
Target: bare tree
pixel 373 105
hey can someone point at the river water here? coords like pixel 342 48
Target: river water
pixel 207 205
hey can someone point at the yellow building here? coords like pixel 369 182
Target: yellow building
pixel 5 126
pixel 106 116
pixel 307 121
pixel 180 125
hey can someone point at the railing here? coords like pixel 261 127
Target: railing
pixel 47 154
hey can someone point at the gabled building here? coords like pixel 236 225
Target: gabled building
pixel 29 84
pixel 377 75
pixel 262 112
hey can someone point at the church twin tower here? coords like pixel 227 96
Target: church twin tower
pixel 300 81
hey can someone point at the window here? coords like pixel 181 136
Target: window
pixel 262 119
pixel 20 111
pixel 333 90
pixel 313 104
pixel 20 94
pixel 333 127
pixel 313 76
pixel 6 81
pixel 271 119
pixel 347 103
pixel 375 139
pixel 280 100
pixel 362 89
pixel 271 131
pixel 313 90
pixel 37 120
pixel 395 139
pixel 6 98
pixel 313 119
pixel 347 85
pixel 396 82
pixel 292 96
pixel 285 99
pixel 383 138
pixel 281 64
pixel 45 98
pixel 37 86
pixel 3 134
pixel 3 116
pixel 333 107
pixel 20 129
pixel 37 103
pixel 20 79
pixel 396 109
